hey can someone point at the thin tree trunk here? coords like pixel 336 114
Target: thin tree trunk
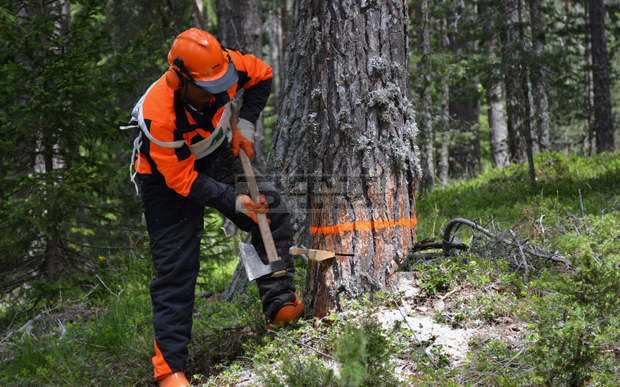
pixel 603 119
pixel 240 27
pixel 464 102
pixel 274 28
pixel 426 135
pixel 539 88
pixel 444 150
pixel 445 136
pixel 526 130
pixel 497 122
pixel 492 82
pixel 511 56
pixel 589 141
pixel 50 162
pixel 346 144
pixel 51 238
pixel 238 284
pixel 199 18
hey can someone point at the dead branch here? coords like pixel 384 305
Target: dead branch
pixel 447 240
pixel 438 245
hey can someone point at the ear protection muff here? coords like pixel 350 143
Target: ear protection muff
pixel 173 80
pixel 177 74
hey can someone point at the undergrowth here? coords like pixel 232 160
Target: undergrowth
pixel 542 323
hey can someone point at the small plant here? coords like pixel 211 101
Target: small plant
pixel 364 352
pixel 578 324
pixel 435 279
pixel 304 372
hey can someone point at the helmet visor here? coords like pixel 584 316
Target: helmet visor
pixel 223 83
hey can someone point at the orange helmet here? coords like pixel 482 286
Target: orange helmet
pixel 198 57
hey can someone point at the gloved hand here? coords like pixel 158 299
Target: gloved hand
pixel 243 136
pixel 247 206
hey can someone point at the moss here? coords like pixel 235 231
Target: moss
pixel 362 144
pixel 386 99
pixel 393 104
pixel 378 66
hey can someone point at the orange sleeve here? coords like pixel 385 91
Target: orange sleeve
pixel 255 77
pixel 256 69
pixel 177 167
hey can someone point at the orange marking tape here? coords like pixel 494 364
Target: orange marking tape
pixel 363 226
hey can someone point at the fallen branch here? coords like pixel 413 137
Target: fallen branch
pixel 447 240
pixel 438 245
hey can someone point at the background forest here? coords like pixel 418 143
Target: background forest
pixel 516 102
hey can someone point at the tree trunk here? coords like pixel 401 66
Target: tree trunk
pixel 198 15
pixel 346 144
pixel 240 27
pixel 537 76
pixel 603 119
pixel 589 138
pixel 426 135
pixel 511 67
pixel 49 160
pixel 464 101
pixel 497 122
pixel 445 136
pixel 492 82
pixel 274 28
pixel 238 284
pixel 526 129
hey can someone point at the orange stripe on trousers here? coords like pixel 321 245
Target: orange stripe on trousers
pixel 160 365
pixel 363 226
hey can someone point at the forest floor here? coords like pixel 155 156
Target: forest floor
pixel 495 314
pixel 492 315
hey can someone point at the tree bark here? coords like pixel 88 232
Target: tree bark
pixel 274 28
pixel 526 130
pixel 199 18
pixel 346 144
pixel 445 135
pixel 497 122
pixel 240 27
pixel 511 67
pixel 603 119
pixel 538 79
pixel 464 102
pixel 589 138
pixel 426 133
pixel 492 82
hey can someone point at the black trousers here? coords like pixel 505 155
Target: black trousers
pixel 175 225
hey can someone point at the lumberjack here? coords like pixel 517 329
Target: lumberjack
pixel 186 157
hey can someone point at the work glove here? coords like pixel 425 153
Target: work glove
pixel 243 137
pixel 245 205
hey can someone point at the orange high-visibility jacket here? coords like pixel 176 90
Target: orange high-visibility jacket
pixel 177 136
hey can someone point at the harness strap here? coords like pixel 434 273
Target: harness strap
pixel 200 149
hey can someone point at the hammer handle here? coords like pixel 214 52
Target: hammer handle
pixel 265 231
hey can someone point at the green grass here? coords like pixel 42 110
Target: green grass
pixel 505 195
pixel 99 341
pixel 572 313
pixel 98 331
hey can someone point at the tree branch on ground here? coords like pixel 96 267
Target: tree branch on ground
pixel 448 243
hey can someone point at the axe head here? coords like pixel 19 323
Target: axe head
pixel 255 268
